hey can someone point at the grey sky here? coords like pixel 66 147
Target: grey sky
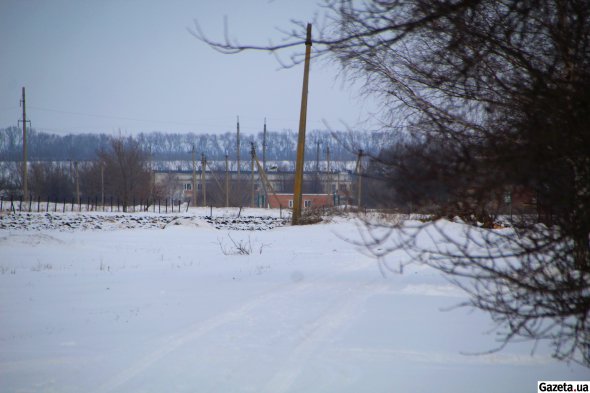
pixel 105 65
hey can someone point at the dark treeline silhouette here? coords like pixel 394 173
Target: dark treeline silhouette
pixel 119 172
pixel 280 145
pixel 44 146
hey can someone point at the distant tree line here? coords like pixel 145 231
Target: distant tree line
pixel 44 146
pixel 102 166
pixel 161 146
pixel 119 170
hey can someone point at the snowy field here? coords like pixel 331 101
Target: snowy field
pixel 176 303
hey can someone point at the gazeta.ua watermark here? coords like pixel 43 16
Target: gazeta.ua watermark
pixel 563 386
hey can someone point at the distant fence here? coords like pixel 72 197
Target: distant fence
pixel 111 204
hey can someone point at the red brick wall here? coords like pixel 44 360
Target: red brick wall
pixel 317 200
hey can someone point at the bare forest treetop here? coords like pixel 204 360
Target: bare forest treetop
pixel 496 95
pixel 177 146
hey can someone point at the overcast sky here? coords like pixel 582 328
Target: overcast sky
pixel 132 65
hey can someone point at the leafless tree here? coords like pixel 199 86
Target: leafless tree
pixel 503 88
pixel 50 180
pixel 124 167
pixel 10 178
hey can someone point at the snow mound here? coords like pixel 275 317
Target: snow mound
pixel 191 222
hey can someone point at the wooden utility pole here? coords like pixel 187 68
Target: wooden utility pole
pixel 359 170
pixel 25 169
pixel 102 184
pixel 297 189
pixel 238 147
pixel 264 146
pixel 203 180
pixel 152 178
pixel 317 157
pixel 265 182
pixel 253 154
pixel 77 183
pixel 329 173
pixel 194 199
pixel 226 181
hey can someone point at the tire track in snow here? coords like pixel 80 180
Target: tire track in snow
pixel 201 328
pixel 317 333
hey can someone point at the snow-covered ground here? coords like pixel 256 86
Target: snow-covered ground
pixel 176 307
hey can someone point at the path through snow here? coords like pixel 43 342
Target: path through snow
pixel 168 308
